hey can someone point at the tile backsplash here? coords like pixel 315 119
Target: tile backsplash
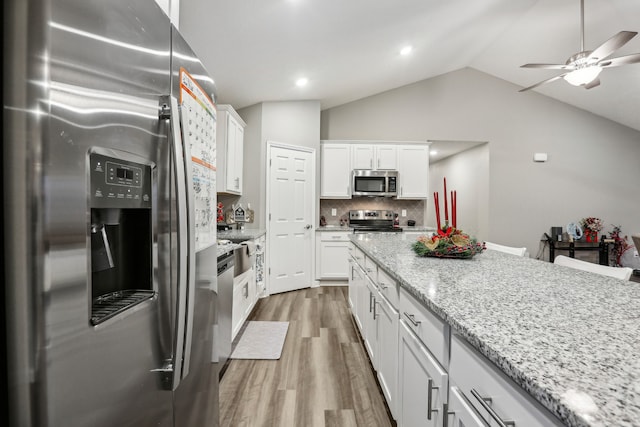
pixel 414 208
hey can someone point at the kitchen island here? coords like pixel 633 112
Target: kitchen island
pixel 568 338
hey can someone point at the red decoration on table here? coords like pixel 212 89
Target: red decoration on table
pixel 446 204
pixel 437 202
pixel 454 207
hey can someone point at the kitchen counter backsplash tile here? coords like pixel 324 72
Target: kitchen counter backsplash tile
pixel 569 338
pixel 238 236
pixel 414 208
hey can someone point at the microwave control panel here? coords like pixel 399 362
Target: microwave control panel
pixel 392 184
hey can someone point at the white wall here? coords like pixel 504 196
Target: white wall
pixel 593 162
pixel 295 123
pixel 172 9
pixel 467 173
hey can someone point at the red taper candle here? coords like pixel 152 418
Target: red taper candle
pixel 437 203
pixel 455 209
pixel 446 204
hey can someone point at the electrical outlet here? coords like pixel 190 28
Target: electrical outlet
pixel 334 212
pixel 404 212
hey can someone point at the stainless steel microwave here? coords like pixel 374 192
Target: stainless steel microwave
pixel 374 183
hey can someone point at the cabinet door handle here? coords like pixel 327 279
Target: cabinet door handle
pixel 412 319
pixel 430 389
pixel 370 303
pixel 484 401
pixel 383 286
pixel 375 303
pixel 369 270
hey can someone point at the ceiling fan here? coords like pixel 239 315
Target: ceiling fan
pixel 583 68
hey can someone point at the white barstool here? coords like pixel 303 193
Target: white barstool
pixel 623 273
pixel 505 249
pixel 636 241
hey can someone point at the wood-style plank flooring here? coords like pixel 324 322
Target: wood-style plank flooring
pixel 324 377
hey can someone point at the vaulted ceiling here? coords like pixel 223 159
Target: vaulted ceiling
pixel 349 49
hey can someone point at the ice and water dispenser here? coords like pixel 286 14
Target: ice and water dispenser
pixel 121 235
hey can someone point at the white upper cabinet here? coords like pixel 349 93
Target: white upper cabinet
pixel 413 171
pixel 374 156
pixel 386 157
pixel 340 157
pixel 230 145
pixel 335 171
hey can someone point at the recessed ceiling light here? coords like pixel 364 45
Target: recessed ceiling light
pixel 302 81
pixel 433 152
pixel 406 50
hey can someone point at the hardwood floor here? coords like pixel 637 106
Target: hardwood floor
pixel 324 377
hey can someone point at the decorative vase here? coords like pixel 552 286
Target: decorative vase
pixel 592 237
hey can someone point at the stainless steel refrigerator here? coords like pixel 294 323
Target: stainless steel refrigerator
pixel 109 228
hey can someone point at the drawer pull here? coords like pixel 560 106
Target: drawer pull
pixel 485 402
pixel 412 319
pixel 336 237
pixel 430 389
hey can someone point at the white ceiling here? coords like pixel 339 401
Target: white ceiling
pixel 349 49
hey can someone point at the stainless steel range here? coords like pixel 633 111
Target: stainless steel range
pixel 371 221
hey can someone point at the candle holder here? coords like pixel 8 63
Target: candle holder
pixel 448 242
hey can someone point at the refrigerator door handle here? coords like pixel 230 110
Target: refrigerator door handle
pixel 191 254
pixel 175 369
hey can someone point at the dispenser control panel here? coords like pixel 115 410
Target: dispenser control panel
pixel 119 183
pixel 122 174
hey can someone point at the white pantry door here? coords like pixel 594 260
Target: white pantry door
pixel 291 217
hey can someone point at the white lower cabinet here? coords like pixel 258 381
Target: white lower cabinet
pixel 461 414
pixel 387 358
pixel 489 393
pixel 369 324
pixel 244 298
pixel 360 293
pixel 332 255
pixel 423 383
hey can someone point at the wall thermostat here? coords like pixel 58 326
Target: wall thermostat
pixel 540 157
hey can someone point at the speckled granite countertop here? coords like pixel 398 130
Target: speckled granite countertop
pixel 237 236
pixel 344 228
pixel 563 335
pixel 225 249
pixel 417 228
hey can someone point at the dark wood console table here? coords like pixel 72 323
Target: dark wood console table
pixel 602 247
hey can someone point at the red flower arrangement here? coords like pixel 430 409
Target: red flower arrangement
pixel 591 227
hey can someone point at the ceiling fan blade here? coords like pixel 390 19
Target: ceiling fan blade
pixel 621 60
pixel 548 66
pixel 611 45
pixel 543 82
pixel 595 82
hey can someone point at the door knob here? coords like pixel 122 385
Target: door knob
pixel 307 227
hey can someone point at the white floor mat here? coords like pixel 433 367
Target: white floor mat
pixel 261 340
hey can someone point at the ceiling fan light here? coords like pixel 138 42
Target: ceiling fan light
pixel 583 76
